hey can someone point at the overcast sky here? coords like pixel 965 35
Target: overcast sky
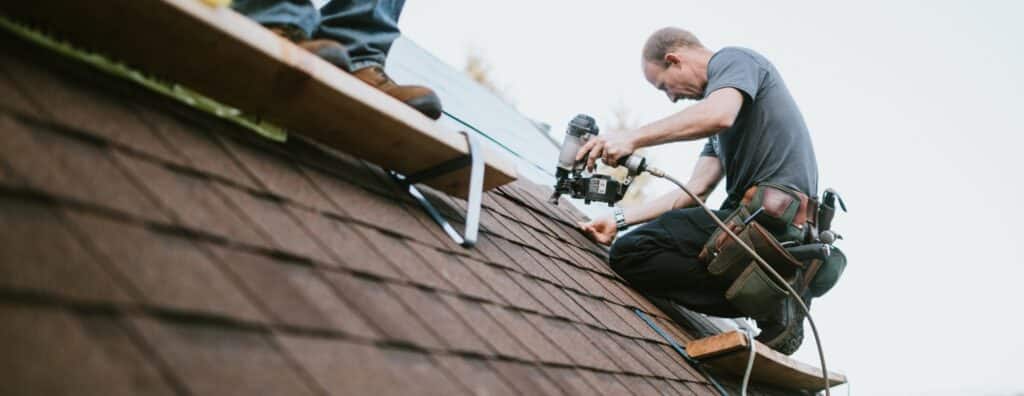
pixel 911 107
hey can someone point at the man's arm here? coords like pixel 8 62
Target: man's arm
pixel 706 176
pixel 712 115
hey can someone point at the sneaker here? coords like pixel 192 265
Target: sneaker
pixel 783 330
pixel 328 50
pixel 420 98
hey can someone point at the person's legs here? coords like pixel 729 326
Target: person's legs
pixel 295 20
pixel 660 258
pixel 366 27
pixel 300 14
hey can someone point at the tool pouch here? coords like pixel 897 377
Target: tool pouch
pixel 754 293
pixel 784 209
pixel 827 273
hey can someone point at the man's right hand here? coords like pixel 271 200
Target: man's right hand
pixel 602 230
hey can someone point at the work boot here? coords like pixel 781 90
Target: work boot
pixel 783 330
pixel 328 50
pixel 420 98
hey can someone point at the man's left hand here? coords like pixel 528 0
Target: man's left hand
pixel 609 148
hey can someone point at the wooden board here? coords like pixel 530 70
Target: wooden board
pixel 230 58
pixel 729 352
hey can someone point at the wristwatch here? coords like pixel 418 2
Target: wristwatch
pixel 620 219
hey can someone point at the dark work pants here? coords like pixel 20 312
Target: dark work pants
pixel 660 258
pixel 365 27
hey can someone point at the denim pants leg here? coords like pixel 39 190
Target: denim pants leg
pixel 365 27
pixel 299 13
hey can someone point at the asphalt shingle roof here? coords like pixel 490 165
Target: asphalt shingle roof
pixel 149 249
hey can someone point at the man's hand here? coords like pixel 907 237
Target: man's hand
pixel 610 148
pixel 601 230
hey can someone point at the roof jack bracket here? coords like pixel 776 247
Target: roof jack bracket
pixel 475 160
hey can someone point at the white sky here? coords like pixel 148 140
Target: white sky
pixel 910 106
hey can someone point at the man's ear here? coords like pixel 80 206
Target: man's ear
pixel 672 58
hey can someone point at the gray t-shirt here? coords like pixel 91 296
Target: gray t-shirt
pixel 769 141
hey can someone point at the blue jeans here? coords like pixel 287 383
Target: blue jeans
pixel 365 27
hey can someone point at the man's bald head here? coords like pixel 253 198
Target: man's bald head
pixel 666 40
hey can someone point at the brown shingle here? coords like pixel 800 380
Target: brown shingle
pixel 345 368
pixel 279 175
pixel 369 207
pixel 642 355
pixel 489 221
pixel 76 103
pixel 634 326
pixel 277 223
pixel 570 339
pixel 503 281
pixel 383 309
pixel 39 254
pixel 521 256
pixel 538 291
pixel 51 352
pixel 607 383
pixel 438 316
pixel 563 297
pixel 12 97
pixel 682 388
pixel 476 375
pixel 601 310
pixel 526 379
pixel 212 360
pixel 673 360
pixel 346 244
pixel 557 269
pixel 494 333
pixel 170 272
pixel 294 295
pixel 609 291
pixel 489 250
pixel 528 335
pixel 639 385
pixel 194 201
pixel 585 280
pixel 396 251
pixel 702 389
pixel 191 138
pixel 572 382
pixel 71 168
pixel 606 342
pixel 456 273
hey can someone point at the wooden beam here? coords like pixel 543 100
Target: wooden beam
pixel 230 58
pixel 729 352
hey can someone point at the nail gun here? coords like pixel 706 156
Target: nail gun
pixel 569 175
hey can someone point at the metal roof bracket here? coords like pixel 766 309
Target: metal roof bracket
pixel 474 159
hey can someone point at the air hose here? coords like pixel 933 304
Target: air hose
pixel 764 266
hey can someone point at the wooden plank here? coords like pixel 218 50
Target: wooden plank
pixel 730 351
pixel 228 57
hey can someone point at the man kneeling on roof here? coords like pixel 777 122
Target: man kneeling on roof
pixel 756 139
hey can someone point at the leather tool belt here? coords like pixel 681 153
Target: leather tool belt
pixel 778 222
